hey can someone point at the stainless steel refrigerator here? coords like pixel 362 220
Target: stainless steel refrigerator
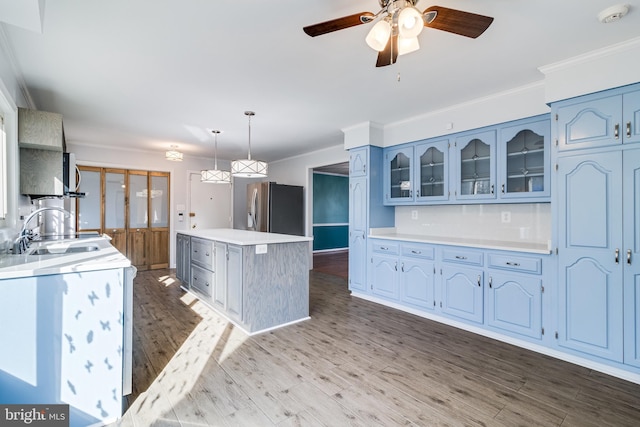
pixel 275 208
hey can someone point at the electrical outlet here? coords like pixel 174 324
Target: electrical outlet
pixel 506 216
pixel 414 214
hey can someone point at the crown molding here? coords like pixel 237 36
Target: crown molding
pixel 7 47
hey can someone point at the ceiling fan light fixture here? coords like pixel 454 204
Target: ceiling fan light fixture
pixel 407 45
pixel 379 35
pixel 410 22
pixel 249 168
pixel 215 176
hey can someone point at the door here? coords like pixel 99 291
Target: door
pixel 417 284
pixel 89 208
pixel 209 204
pixel 115 191
pixel 235 283
pixel 384 276
pixel 357 234
pixel 514 303
pixel 220 284
pixel 398 175
pixel 590 254
pixel 138 218
pixel 432 171
pixel 462 293
pixel 631 216
pixel 475 157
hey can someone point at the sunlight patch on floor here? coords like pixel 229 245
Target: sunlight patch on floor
pixel 213 339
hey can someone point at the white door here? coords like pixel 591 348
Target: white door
pixel 209 204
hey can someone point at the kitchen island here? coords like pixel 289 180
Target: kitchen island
pixel 65 310
pixel 259 281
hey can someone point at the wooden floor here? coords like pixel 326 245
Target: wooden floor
pixel 335 262
pixel 353 363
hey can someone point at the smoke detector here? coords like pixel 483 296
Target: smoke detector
pixel 613 13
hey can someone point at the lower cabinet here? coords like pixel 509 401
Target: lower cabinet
pixel 202 281
pixel 228 287
pixel 183 259
pixel 501 291
pixel 234 283
pixel 462 292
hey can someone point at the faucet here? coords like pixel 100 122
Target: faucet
pixel 22 241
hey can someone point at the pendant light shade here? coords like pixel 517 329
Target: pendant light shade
pixel 249 168
pixel 173 155
pixel 378 36
pixel 410 22
pixel 215 176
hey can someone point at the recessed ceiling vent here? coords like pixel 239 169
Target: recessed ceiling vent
pixel 613 13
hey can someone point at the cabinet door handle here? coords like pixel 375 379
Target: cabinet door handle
pixel 206 254
pixel 460 257
pixel 402 267
pixel 617 259
pixel 502 188
pixel 195 251
pixel 416 252
pixel 479 284
pixel 384 248
pixel 628 129
pixel 491 188
pixel 629 256
pixel 396 266
pixel 616 131
pixel 513 264
pixel 490 282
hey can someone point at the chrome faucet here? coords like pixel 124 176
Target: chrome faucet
pixel 22 241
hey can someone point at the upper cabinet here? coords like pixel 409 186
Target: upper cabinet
pixel 398 176
pixel 475 156
pixel 40 129
pixel 498 164
pixel 525 159
pixel 598 120
pixel 432 171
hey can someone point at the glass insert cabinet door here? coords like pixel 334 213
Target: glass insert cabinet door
pixel 398 185
pixel 476 156
pixel 525 156
pixel 89 206
pixel 432 171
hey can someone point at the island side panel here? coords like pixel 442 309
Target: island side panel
pixel 276 285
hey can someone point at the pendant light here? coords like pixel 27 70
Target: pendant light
pixel 215 176
pixel 173 154
pixel 248 168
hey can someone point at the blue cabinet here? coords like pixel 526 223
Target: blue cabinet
pixel 524 159
pixel 462 292
pixel 366 210
pixel 431 171
pixel 514 294
pixel 398 176
pixel 357 233
pixel 417 275
pixel 631 256
pixel 590 241
pixel 605 119
pixel 475 160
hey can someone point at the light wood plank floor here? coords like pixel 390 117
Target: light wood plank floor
pixel 354 363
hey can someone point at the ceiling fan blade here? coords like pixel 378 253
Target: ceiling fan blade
pixel 390 53
pixel 456 21
pixel 337 24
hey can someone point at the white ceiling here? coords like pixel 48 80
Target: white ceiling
pixel 148 74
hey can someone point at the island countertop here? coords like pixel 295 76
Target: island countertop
pixel 244 237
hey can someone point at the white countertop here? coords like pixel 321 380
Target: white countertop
pixel 521 246
pixel 244 237
pixel 25 265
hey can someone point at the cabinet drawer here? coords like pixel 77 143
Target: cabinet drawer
pixel 202 280
pixel 202 252
pixel 515 263
pixel 385 248
pixel 417 251
pixel 462 256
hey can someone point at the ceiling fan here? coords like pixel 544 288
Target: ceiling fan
pixel 400 23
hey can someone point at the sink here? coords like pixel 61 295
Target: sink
pixel 63 250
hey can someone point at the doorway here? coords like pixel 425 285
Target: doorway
pixel 209 204
pixel 330 218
